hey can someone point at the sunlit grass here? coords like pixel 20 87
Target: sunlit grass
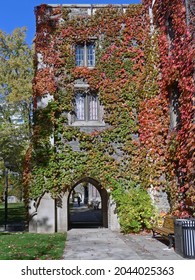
pixel 31 246
pixel 24 245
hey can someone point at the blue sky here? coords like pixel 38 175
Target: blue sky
pixel 19 13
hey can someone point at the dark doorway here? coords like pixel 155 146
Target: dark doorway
pixel 87 205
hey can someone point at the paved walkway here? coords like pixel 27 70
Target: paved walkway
pixel 103 244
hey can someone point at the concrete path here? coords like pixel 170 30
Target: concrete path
pixel 103 244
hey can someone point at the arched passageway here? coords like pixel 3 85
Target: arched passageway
pixel 55 215
pixel 87 205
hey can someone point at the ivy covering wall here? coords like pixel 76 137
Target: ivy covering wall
pixel 132 76
pixel 174 24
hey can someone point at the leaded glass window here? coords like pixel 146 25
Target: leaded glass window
pixel 87 107
pixel 85 54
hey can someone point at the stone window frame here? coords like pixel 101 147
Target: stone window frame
pixel 82 53
pixel 73 121
pixel 88 109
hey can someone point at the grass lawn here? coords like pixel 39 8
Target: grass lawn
pixel 31 246
pixel 24 245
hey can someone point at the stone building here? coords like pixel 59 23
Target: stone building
pixel 96 76
pixel 174 23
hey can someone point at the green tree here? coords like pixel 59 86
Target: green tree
pixel 16 73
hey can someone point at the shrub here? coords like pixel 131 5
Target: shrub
pixel 135 209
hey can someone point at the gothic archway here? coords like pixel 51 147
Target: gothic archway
pixel 87 204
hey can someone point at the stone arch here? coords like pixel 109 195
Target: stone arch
pixel 51 214
pixel 103 195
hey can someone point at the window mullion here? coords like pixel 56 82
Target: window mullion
pixel 86 108
pixel 85 54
